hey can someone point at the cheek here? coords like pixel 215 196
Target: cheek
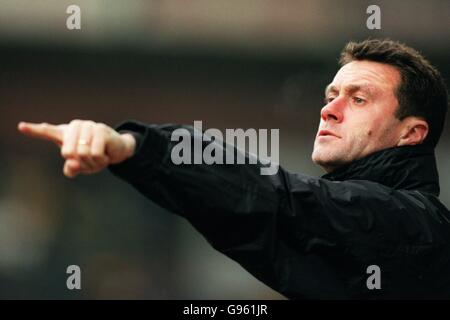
pixel 360 131
pixel 382 135
pixel 369 127
pixel 358 137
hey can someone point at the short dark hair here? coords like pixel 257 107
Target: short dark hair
pixel 421 92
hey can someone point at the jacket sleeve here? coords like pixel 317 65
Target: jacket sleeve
pixel 302 236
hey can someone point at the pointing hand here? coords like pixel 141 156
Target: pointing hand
pixel 87 146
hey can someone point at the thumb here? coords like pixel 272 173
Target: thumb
pixel 71 168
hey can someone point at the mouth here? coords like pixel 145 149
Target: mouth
pixel 324 133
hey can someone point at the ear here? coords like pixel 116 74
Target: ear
pixel 414 131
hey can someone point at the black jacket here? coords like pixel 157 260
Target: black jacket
pixel 309 237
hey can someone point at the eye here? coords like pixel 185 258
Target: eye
pixel 358 100
pixel 327 100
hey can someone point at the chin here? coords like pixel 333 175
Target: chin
pixel 327 166
pixel 319 159
pixel 326 159
pixel 322 155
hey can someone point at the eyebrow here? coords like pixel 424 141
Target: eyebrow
pixel 352 88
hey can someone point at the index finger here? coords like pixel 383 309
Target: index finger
pixel 43 131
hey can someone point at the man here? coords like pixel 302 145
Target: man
pixel 306 237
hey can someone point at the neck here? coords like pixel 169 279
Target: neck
pixel 405 167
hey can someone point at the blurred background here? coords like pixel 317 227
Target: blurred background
pixel 232 64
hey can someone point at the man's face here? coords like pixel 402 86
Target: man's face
pixel 359 115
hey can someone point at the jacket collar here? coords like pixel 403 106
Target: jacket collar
pixel 405 167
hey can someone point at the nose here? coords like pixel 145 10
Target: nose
pixel 333 110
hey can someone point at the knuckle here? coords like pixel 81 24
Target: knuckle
pixel 64 153
pixel 101 127
pixel 75 122
pixel 88 123
pixel 67 152
pixel 45 126
pixel 96 128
